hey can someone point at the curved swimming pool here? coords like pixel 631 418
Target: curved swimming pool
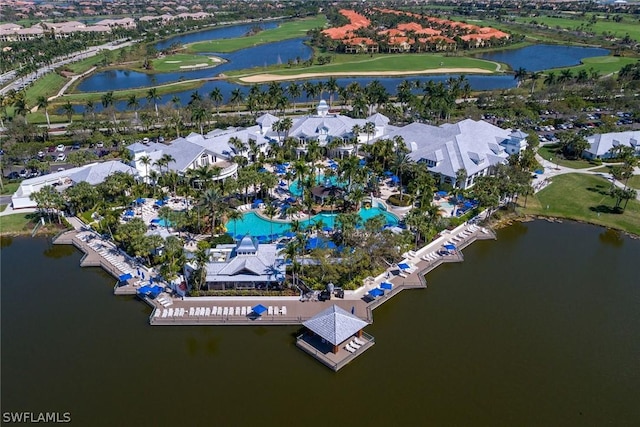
pixel 254 225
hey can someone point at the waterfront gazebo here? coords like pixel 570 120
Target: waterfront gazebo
pixel 335 325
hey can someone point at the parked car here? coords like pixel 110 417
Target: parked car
pixel 51 149
pixel 40 154
pixel 24 173
pixel 75 146
pixel 99 144
pixel 61 157
pixel 61 148
pixel 13 175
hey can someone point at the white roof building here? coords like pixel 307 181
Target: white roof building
pixel 245 265
pixel 473 146
pixel 93 174
pixel 601 145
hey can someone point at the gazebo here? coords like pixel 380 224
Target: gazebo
pixel 335 325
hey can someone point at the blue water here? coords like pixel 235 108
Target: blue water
pixel 543 56
pixel 254 225
pixel 214 34
pixel 295 189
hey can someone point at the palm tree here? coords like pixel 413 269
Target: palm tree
pixel 520 74
pixel 43 103
pixel 211 201
pixel 565 76
pixel 146 161
pixel 235 216
pixel 370 129
pixel 133 103
pixel 68 111
pixel 294 92
pixel 332 87
pixel 152 96
pixel 535 75
pixel 216 97
pixel 107 102
pixel 236 98
pixel 550 79
pixel 271 211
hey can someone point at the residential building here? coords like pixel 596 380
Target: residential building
pixel 602 145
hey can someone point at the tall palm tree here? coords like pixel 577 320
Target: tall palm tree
pixel 152 96
pixel 235 216
pixel 68 111
pixel 294 92
pixel 133 103
pixel 216 97
pixel 236 98
pixel 550 79
pixel 146 161
pixel 43 103
pixel 520 74
pixel 535 75
pixel 211 201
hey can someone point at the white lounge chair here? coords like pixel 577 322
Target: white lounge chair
pixel 219 312
pixel 359 341
pixel 237 311
pixel 225 311
pixel 214 310
pixel 243 311
pixel 207 311
pixel 283 311
pixel 164 312
pixel 156 313
pixel 249 310
pixel 191 311
pixel 349 348
pixel 354 344
pixel 170 312
pixel 270 311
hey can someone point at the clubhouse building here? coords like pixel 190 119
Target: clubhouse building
pixel 603 145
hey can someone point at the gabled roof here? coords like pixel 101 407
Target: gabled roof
pixel 601 143
pixel 335 324
pixel 267 120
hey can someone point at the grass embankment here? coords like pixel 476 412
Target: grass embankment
pixel 550 153
pixel 628 25
pixel 19 223
pixel 584 197
pixel 383 63
pixel 287 30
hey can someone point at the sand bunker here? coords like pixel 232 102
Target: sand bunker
pixel 172 62
pixel 262 78
pixel 195 65
pixel 215 59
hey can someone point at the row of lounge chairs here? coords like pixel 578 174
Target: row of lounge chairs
pixel 118 261
pixel 354 345
pixel 214 311
pixel 164 300
pixel 431 256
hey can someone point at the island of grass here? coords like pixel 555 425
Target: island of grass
pixel 373 65
pixel 175 62
pixel 589 202
pixel 285 31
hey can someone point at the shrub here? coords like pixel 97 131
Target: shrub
pixel 395 200
pixel 221 239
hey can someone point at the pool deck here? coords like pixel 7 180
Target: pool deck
pixel 217 311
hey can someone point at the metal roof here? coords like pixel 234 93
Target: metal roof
pixel 335 324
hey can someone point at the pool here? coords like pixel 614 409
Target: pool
pixel 254 225
pixel 162 222
pixel 295 189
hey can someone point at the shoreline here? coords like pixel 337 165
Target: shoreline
pixel 267 77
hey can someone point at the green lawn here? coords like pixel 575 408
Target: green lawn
pixel 629 25
pixel 588 202
pixel 46 86
pixel 634 182
pixel 16 223
pixel 549 152
pixel 603 64
pixel 287 30
pixel 9 188
pixel 380 62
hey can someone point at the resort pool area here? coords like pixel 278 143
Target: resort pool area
pixel 254 225
pixel 295 189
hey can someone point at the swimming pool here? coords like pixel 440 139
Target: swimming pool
pixel 254 225
pixel 295 189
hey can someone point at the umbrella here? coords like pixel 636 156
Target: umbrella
pixel 386 285
pixel 326 228
pixel 468 204
pixel 291 199
pixel 289 234
pixel 362 162
pixel 262 238
pixel 441 193
pixel 140 200
pixel 450 247
pixel 129 212
pixel 376 292
pixel 125 277
pixel 138 270
pixel 257 201
pixel 395 179
pixel 404 266
pixel 539 171
pixel 282 184
pixel 388 173
pixel 259 309
pixel 159 202
pixel 142 275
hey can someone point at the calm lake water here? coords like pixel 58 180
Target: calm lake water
pixel 544 56
pixel 540 327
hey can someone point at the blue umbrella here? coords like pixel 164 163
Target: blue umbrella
pixel 282 184
pixel 376 292
pixel 441 193
pixel 326 228
pixel 160 202
pixel 259 309
pixel 289 234
pixel 395 179
pixel 450 247
pixel 404 266
pixel 262 238
pixel 140 200
pixel 386 285
pixel 291 200
pixel 362 162
pixel 138 270
pixel 388 173
pixel 468 204
pixel 129 212
pixel 142 275
pixel 262 170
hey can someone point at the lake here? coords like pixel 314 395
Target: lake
pixel 544 56
pixel 540 327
